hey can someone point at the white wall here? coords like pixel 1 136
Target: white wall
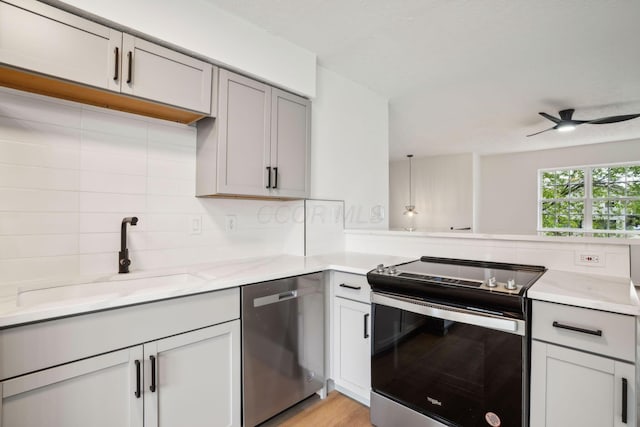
pixel 442 192
pixel 70 173
pixel 508 182
pixel 349 149
pixel 207 30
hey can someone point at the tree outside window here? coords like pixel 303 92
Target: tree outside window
pixel 601 201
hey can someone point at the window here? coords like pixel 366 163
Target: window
pixel 600 201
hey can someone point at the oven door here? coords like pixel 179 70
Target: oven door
pixel 457 366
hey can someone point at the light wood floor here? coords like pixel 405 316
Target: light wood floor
pixel 336 410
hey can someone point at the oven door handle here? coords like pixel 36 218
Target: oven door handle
pixel 454 314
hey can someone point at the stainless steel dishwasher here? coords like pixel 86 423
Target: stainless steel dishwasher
pixel 282 344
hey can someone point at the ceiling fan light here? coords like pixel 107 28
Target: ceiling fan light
pixel 566 128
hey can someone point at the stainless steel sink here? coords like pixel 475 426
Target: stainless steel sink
pixel 100 290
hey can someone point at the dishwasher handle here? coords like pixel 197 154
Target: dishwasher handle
pixel 279 297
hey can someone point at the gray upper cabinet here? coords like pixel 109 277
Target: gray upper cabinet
pixel 72 56
pixel 259 144
pixel 160 74
pixel 244 143
pixel 40 38
pixel 290 136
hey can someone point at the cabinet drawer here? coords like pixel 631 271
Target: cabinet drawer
pixel 352 286
pixel 600 332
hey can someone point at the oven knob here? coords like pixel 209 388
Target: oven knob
pixel 380 268
pixel 511 285
pixel 392 270
pixel 492 282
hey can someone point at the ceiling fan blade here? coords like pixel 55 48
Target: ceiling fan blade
pixel 538 133
pixel 550 117
pixel 566 114
pixel 613 119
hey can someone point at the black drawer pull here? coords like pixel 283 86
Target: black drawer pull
pixel 137 392
pixel 597 332
pixel 275 177
pixel 130 75
pixel 624 400
pixel 269 176
pixel 117 69
pixel 153 374
pixel 355 288
pixel 366 329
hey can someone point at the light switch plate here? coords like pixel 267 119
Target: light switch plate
pixel 195 224
pixel 230 223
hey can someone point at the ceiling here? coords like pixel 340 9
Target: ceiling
pixel 471 76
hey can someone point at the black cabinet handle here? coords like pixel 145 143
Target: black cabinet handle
pixel 355 288
pixel 268 176
pixel 597 332
pixel 275 177
pixel 116 51
pixel 624 400
pixel 153 374
pixel 130 74
pixel 137 392
pixel 366 329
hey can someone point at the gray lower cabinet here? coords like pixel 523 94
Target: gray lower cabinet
pixel 197 378
pixel 259 144
pixel 167 363
pixel 98 392
pixel 38 38
pixel 351 340
pixel 189 379
pixel 574 388
pixel 583 369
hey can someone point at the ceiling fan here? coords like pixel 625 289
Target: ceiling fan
pixel 566 123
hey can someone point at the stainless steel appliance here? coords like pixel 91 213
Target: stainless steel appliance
pixel 450 343
pixel 282 344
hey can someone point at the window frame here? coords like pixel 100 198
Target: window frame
pixel 588 199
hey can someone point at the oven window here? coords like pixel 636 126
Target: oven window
pixel 451 371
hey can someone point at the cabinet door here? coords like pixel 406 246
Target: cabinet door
pixel 352 348
pixel 244 113
pixel 40 38
pixel 163 75
pixel 96 392
pixel 196 378
pixel 574 388
pixel 290 136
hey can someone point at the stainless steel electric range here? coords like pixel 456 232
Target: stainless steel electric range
pixel 450 343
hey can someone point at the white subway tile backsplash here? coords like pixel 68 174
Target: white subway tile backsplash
pixel 70 173
pixel 99 222
pixel 114 123
pixel 162 167
pixel 113 163
pixel 170 133
pixel 39 178
pixel 22 105
pixel 107 202
pixel 170 187
pixel 103 182
pixel 22 223
pixel 28 246
pixel 23 200
pixel 25 269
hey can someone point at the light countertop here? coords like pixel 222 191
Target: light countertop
pixel 43 300
pixel 614 294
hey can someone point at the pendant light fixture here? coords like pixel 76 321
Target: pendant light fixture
pixel 410 209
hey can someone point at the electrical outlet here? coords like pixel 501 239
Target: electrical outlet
pixel 195 224
pixel 230 223
pixel 590 258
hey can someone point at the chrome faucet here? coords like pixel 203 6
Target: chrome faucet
pixel 123 256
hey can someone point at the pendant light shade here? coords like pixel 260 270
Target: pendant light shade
pixel 410 209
